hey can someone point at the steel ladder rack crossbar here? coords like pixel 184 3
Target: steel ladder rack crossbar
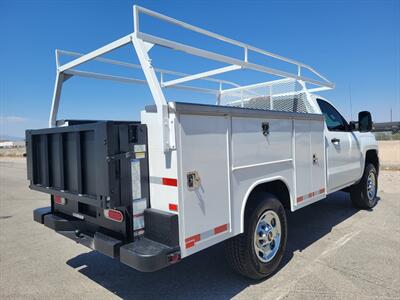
pixel 143 42
pixel 214 56
pixel 162 72
pixel 133 80
pixel 236 64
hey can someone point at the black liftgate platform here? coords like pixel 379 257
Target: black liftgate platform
pixel 91 165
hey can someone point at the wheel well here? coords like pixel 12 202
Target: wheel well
pixel 372 157
pixel 276 187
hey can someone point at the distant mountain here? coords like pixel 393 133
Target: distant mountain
pixel 4 137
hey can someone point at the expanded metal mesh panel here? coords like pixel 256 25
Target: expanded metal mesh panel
pixel 282 95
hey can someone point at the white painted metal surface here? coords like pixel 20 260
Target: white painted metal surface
pixel 204 148
pixel 232 156
pixel 310 162
pixel 160 165
pixel 251 148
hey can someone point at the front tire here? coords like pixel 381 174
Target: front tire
pixel 363 194
pixel 258 251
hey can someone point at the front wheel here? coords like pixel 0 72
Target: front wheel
pixel 258 251
pixel 363 194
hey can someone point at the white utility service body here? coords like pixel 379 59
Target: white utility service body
pixel 206 161
pixel 227 149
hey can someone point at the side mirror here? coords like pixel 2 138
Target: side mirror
pixel 353 126
pixel 364 121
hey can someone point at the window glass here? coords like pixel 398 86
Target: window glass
pixel 334 120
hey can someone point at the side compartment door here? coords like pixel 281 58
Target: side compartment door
pixel 318 167
pixel 303 161
pixel 309 161
pixel 204 154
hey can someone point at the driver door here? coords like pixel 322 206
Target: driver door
pixel 342 149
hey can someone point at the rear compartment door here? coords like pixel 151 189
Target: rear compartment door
pixel 204 154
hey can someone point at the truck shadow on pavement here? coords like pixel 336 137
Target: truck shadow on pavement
pixel 206 275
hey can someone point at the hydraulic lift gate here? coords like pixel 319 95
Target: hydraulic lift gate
pixel 90 164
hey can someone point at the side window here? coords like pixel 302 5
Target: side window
pixel 334 120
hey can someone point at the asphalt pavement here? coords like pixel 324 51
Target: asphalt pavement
pixel 334 251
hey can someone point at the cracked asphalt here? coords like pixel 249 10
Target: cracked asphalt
pixel 334 252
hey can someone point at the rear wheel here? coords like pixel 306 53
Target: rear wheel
pixel 257 252
pixel 363 194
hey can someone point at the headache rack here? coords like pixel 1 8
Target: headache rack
pixel 290 93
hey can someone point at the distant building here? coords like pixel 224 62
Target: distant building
pixel 12 144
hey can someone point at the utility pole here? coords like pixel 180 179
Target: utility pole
pixel 391 115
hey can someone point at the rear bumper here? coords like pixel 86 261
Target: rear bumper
pixel 144 255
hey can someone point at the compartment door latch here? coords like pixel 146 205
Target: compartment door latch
pixel 265 128
pixel 193 180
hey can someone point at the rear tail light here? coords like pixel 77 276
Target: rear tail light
pixel 113 214
pixel 174 257
pixel 60 200
pixel 173 207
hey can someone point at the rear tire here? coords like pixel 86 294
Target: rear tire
pixel 363 194
pixel 265 225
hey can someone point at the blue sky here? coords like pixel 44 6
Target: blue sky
pixel 354 43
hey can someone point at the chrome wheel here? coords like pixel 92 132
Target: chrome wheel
pixel 267 236
pixel 371 186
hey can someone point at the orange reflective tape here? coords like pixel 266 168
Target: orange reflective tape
pixel 194 238
pixel 190 245
pixel 221 228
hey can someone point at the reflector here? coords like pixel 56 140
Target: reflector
pixel 59 200
pixel 114 215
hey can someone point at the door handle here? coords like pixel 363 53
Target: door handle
pixel 335 141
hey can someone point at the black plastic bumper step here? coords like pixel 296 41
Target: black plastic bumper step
pixel 146 255
pixel 39 213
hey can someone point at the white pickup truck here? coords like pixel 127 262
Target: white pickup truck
pixel 188 176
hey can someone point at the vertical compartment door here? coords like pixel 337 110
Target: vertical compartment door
pixel 205 183
pixel 318 173
pixel 309 161
pixel 303 161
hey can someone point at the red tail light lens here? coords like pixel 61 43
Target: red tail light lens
pixel 60 200
pixel 114 215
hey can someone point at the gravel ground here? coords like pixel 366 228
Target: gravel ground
pixel 334 252
pixel 389 153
